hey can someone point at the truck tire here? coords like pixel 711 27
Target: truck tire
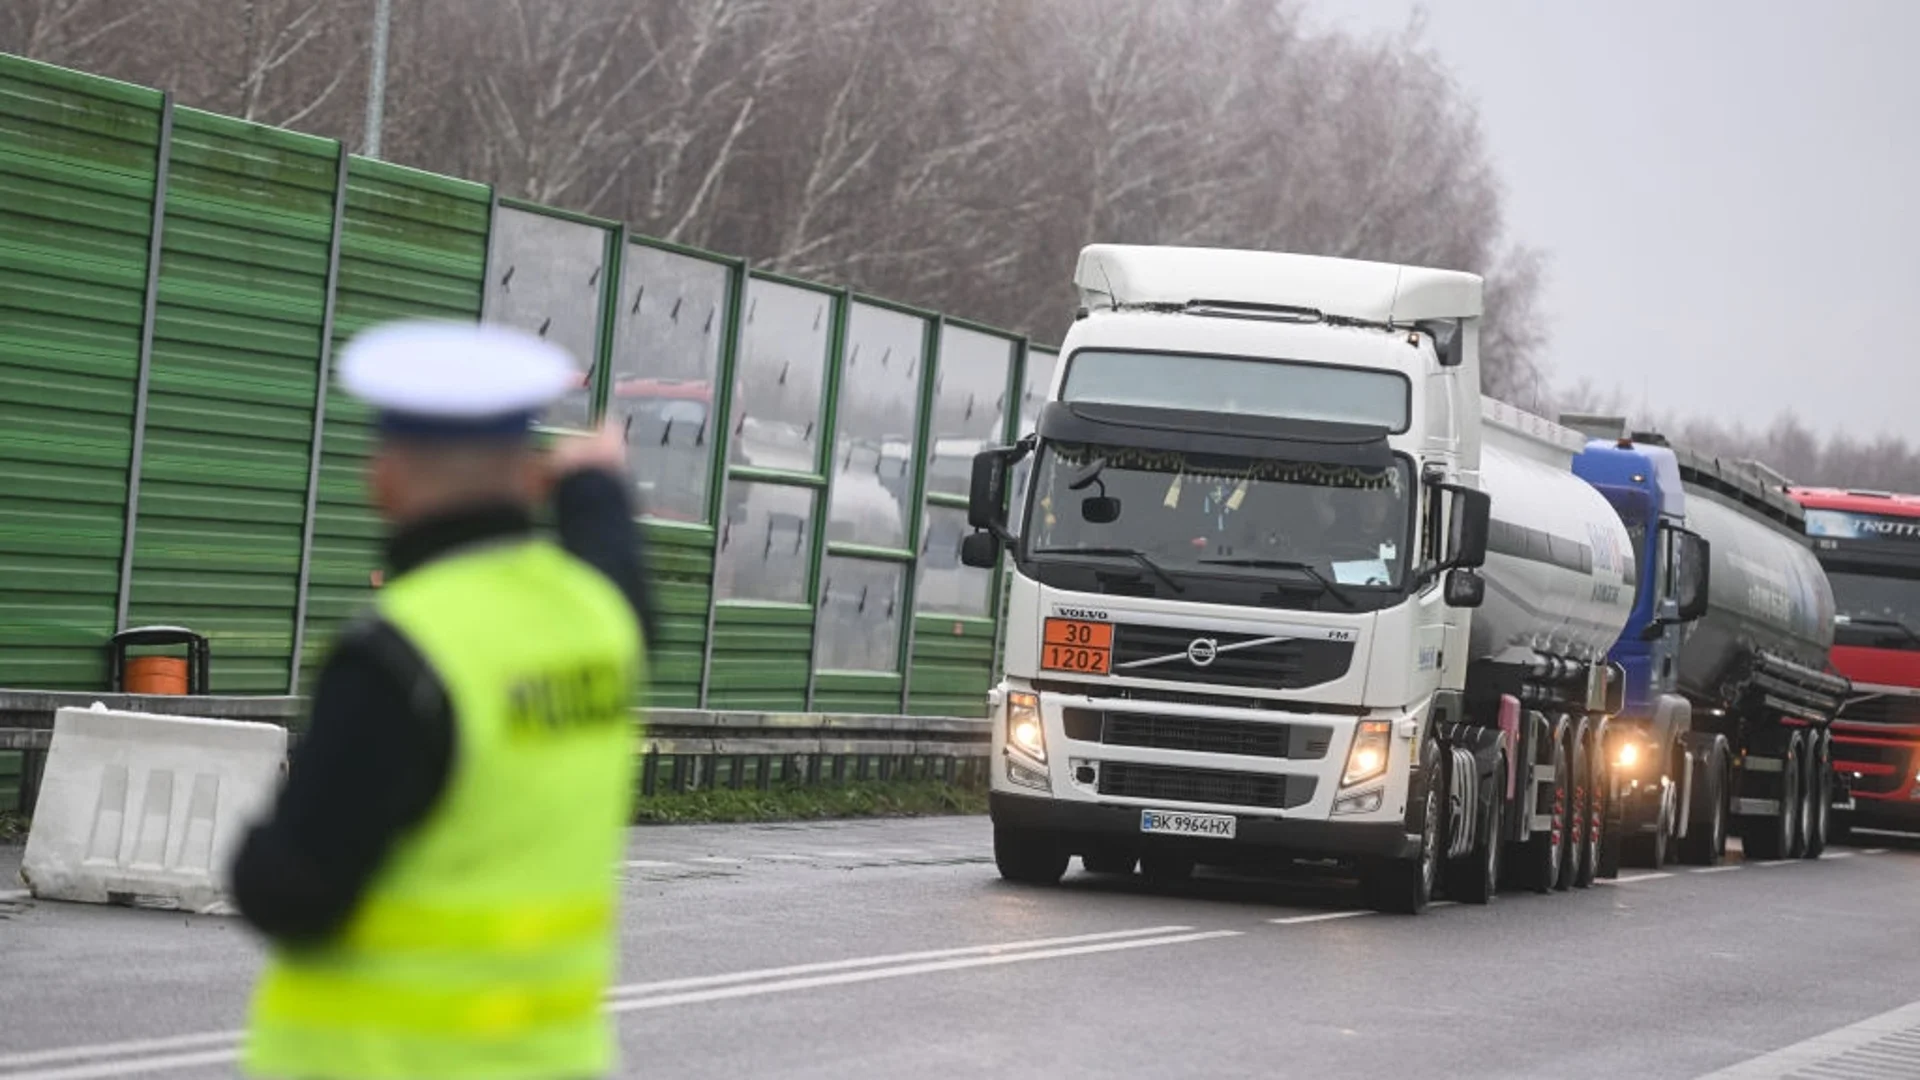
pixel 1819 794
pixel 1706 841
pixel 1476 878
pixel 1028 856
pixel 1109 860
pixel 1776 837
pixel 1405 886
pixel 1577 786
pixel 1583 832
pixel 1537 863
pixel 1597 781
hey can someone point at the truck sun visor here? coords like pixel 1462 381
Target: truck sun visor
pixel 1316 441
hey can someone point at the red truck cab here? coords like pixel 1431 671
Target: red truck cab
pixel 1869 544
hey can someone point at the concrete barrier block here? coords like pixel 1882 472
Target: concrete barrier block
pixel 137 807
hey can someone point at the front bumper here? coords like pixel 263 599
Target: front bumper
pixel 1082 825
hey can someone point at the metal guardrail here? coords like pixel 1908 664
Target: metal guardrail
pixel 681 750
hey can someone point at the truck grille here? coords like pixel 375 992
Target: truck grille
pixel 1882 710
pixel 1208 735
pixel 1255 660
pixel 1158 696
pixel 1129 780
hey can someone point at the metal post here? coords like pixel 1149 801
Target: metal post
pixel 722 444
pixel 322 380
pixel 154 239
pixel 837 333
pixel 917 522
pixel 377 76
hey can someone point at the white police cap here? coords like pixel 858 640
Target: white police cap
pixel 429 377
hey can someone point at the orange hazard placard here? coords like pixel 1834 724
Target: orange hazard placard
pixel 1077 645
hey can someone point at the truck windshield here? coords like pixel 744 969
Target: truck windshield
pixel 1876 610
pixel 1332 528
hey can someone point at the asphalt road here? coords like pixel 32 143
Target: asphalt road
pixel 886 949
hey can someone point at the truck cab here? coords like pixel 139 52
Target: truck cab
pixel 1652 757
pixel 1245 547
pixel 1869 544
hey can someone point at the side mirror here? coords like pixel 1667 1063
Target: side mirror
pixel 987 498
pixel 1465 589
pixel 980 550
pixel 1467 527
pixel 1100 509
pixel 1692 573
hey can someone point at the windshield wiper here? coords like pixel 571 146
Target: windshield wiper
pixel 1136 555
pixel 1889 623
pixel 1288 564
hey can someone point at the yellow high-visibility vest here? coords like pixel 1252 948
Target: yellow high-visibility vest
pixel 484 945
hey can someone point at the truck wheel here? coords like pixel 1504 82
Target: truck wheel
pixel 1541 856
pixel 1165 868
pixel 1576 871
pixel 1706 839
pixel 1476 878
pixel 1028 856
pixel 1109 860
pixel 1795 808
pixel 1819 789
pixel 1776 837
pixel 1596 818
pixel 1405 886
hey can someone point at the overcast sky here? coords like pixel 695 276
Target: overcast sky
pixel 1726 190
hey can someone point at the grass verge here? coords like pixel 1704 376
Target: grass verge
pixel 860 799
pixel 13 828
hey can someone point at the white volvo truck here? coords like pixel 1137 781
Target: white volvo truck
pixel 1285 586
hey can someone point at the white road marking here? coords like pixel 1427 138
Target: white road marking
pixel 1715 869
pixel 1898 1024
pixel 844 853
pixel 1838 855
pixel 649 864
pixel 634 995
pixel 15 894
pixel 818 981
pixel 131 1067
pixel 115 1049
pixel 1322 916
pixel 1773 862
pixel 1443 903
pixel 718 860
pixel 1631 878
pixel 1874 851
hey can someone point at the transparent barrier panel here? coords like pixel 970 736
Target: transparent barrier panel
pixel 779 377
pixel 946 584
pixel 878 412
pixel 669 335
pixel 765 534
pixel 546 274
pixel 859 627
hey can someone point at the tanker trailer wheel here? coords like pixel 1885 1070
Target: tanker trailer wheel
pixel 1541 856
pixel 1029 856
pixel 1573 850
pixel 1778 836
pixel 1596 810
pixel 1706 840
pixel 1819 789
pixel 1404 886
pixel 1475 879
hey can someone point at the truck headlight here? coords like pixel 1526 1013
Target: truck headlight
pixel 1023 725
pixel 1368 758
pixel 1628 755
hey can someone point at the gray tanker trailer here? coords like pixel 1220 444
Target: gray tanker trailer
pixel 1754 665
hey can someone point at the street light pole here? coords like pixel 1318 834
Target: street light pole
pixel 377 76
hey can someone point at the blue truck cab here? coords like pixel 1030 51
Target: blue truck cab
pixel 1648 745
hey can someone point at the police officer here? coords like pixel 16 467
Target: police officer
pixel 437 876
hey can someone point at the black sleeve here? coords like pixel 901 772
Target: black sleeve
pixel 596 525
pixel 374 760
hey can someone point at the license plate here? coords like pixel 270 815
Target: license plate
pixel 1179 823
